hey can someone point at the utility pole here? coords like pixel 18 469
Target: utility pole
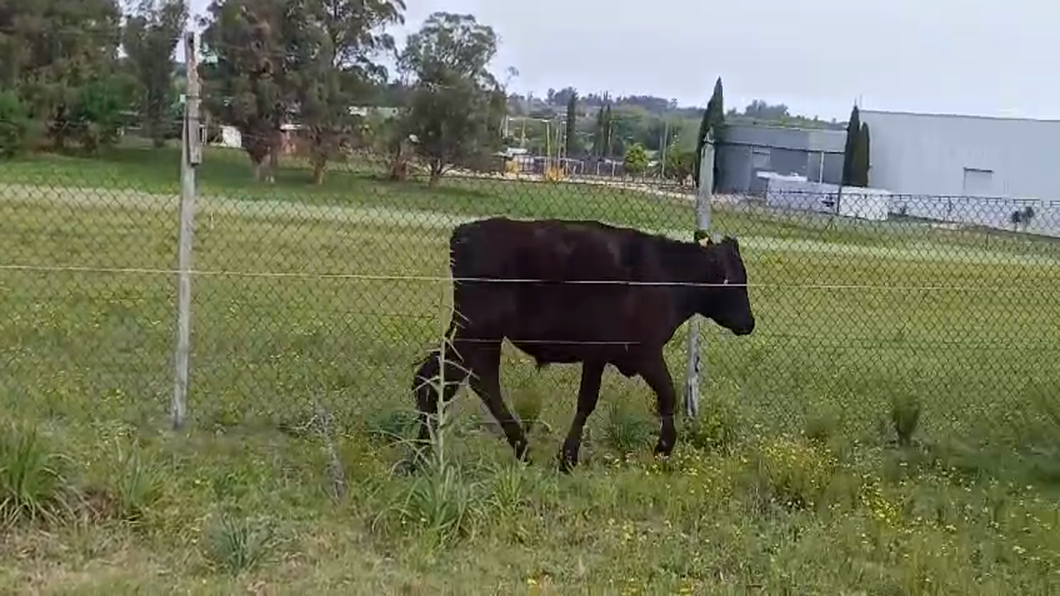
pixel 703 231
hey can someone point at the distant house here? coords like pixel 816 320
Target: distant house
pixel 385 112
pixel 749 153
pixel 231 137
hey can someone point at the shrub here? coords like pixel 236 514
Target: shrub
pixel 14 125
pixel 905 415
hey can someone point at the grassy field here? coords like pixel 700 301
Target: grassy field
pixel 792 482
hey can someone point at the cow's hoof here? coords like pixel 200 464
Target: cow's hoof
pixel 409 465
pixel 662 455
pixel 567 463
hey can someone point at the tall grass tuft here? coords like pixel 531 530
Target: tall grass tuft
pixel 138 485
pixel 237 544
pixel 34 480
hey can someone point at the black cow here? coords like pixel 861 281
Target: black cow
pixel 576 291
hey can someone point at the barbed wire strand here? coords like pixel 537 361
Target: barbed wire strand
pixel 444 279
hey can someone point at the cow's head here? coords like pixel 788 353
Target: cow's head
pixel 727 303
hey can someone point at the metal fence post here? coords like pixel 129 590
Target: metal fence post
pixel 191 156
pixel 703 198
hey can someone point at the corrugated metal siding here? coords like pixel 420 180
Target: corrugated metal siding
pixel 928 154
pixel 790 151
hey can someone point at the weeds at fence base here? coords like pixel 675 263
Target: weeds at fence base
pixel 717 428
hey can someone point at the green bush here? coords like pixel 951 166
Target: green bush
pixel 14 125
pixel 98 114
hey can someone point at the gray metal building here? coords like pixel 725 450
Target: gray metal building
pixel 975 170
pixel 934 154
pixel 748 149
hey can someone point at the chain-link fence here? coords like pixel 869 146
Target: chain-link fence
pixel 332 291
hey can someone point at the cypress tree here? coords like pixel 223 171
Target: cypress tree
pixel 572 106
pixel 713 118
pixel 859 163
pixel 607 145
pixel 853 132
pixel 598 136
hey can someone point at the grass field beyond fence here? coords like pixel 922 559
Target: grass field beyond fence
pixel 892 425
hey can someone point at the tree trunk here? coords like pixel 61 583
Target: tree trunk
pixel 274 161
pixel 437 168
pixel 319 146
pixel 274 155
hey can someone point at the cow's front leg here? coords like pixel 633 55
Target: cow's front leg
pixel 588 394
pixel 657 375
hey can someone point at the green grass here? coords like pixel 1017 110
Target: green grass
pixel 792 481
pixel 359 183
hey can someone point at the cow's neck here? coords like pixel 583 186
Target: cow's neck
pixel 686 263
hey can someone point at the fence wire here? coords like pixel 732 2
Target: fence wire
pixel 331 292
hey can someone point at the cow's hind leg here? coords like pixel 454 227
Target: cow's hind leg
pixel 483 358
pixel 588 394
pixel 657 375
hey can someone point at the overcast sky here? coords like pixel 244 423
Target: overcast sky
pixel 984 57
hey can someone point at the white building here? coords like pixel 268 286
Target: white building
pixel 969 169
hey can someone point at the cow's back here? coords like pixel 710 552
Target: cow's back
pixel 550 250
pixel 537 282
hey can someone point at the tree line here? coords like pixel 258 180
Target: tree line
pixel 63 79
pixel 79 71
